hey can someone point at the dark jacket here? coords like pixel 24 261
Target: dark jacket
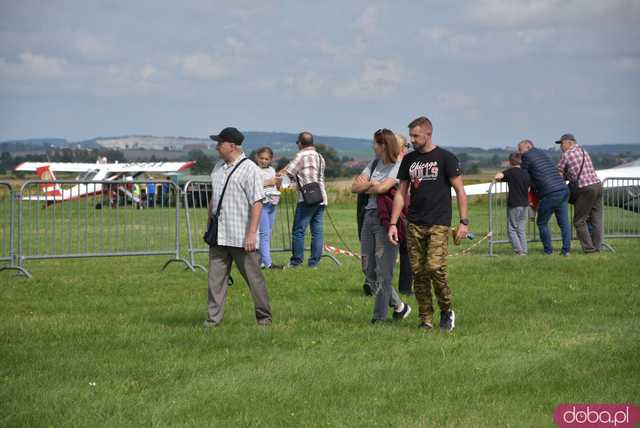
pixel 545 177
pixel 385 207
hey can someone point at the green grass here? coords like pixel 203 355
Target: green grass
pixel 532 332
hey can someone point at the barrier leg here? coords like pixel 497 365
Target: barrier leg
pixel 608 247
pixel 20 270
pixel 332 257
pixel 187 264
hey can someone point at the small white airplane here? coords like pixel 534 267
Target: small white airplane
pixel 620 172
pixel 98 172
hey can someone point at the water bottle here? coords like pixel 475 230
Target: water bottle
pixel 470 236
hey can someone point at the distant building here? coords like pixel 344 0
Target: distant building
pixel 352 164
pixel 189 147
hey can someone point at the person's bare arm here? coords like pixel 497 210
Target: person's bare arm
pixel 382 187
pixel 270 181
pixel 398 205
pixel 290 169
pixel 360 184
pixel 461 195
pixel 251 237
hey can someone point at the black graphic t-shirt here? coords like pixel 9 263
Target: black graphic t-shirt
pixel 429 177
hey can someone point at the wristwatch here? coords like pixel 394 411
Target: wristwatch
pixel 464 221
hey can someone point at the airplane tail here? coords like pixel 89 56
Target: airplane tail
pixel 49 189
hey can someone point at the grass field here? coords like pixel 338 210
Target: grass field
pixel 116 342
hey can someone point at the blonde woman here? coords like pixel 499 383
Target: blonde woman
pixel 405 279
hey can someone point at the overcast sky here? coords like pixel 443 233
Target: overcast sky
pixel 488 72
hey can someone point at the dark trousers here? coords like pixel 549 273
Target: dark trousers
pixel 588 209
pixel 405 282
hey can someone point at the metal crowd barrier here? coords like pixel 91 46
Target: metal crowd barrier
pixel 8 228
pixel 621 207
pixel 196 199
pixel 7 225
pixel 621 212
pixel 197 195
pixel 74 218
pixel 498 221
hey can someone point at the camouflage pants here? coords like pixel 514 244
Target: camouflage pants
pixel 428 254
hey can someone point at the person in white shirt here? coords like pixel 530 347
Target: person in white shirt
pixel 264 156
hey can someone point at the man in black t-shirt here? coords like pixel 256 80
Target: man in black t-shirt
pixel 431 172
pixel 517 203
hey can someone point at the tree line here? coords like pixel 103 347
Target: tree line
pixel 204 163
pixel 335 164
pixel 8 162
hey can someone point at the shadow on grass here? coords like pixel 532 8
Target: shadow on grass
pixel 181 319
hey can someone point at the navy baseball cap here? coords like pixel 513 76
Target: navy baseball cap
pixel 566 137
pixel 229 135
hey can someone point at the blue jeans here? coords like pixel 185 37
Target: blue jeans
pixel 307 215
pixel 267 220
pixel 555 203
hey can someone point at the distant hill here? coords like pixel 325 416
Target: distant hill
pixel 614 149
pixel 32 144
pixel 282 143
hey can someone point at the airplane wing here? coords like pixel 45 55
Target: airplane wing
pixel 623 172
pixel 603 174
pixel 59 166
pixel 147 166
pixel 111 167
pixel 474 189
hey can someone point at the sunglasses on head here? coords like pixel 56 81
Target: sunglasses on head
pixel 382 131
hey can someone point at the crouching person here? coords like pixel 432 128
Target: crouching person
pixel 236 203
